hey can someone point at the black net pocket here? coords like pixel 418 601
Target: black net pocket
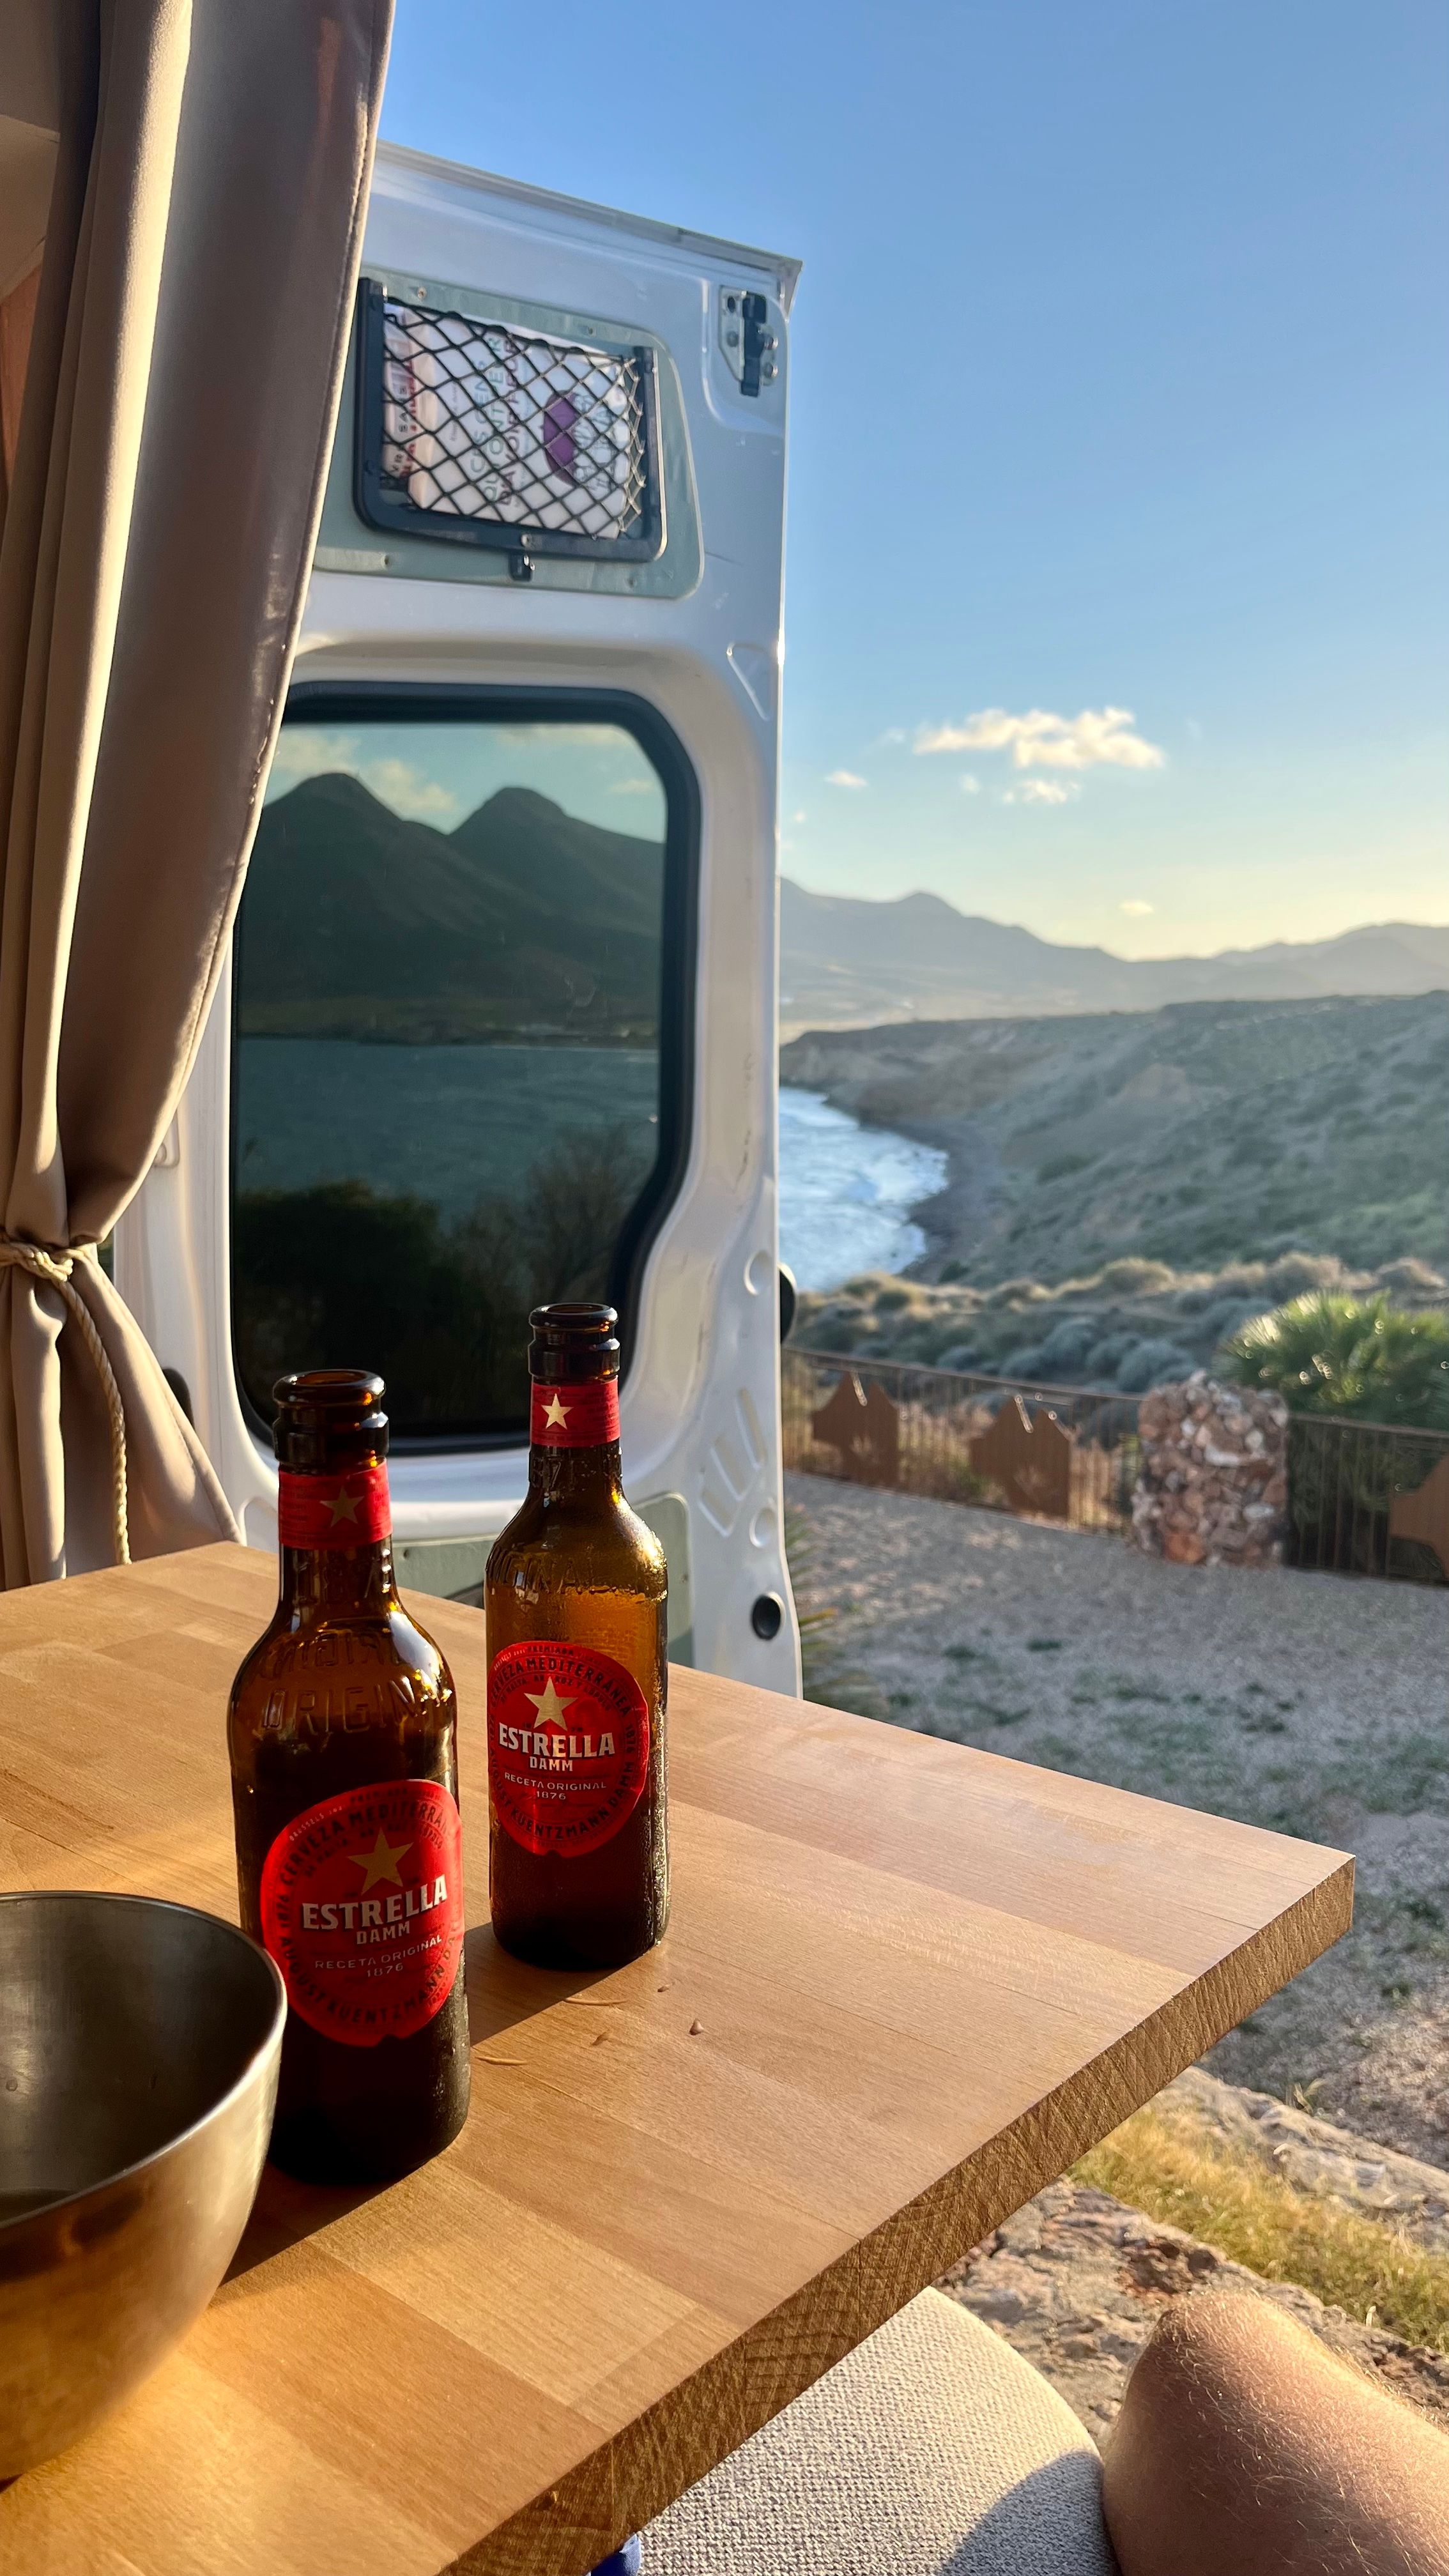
pixel 492 436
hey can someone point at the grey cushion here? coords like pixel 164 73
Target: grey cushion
pixel 932 2450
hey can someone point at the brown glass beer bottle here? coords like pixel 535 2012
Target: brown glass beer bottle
pixel 575 1596
pixel 342 1731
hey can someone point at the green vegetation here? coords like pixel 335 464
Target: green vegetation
pixel 1130 1325
pixel 1163 2163
pixel 1357 1356
pixel 442 1311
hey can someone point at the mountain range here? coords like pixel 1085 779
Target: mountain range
pixel 527 921
pixel 522 922
pixel 847 962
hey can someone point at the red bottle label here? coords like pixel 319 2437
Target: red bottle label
pixel 333 1511
pixel 568 1746
pixel 362 1909
pixel 575 1417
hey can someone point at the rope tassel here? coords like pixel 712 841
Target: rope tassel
pixel 53 1270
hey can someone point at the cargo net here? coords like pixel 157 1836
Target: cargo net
pixel 486 423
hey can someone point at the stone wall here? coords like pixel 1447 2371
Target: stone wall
pixel 1213 1485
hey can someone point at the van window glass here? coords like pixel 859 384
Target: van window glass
pixel 451 1017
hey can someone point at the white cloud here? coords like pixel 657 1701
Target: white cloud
pixel 304 752
pixel 845 778
pixel 409 790
pixel 1098 737
pixel 969 786
pixel 596 735
pixel 894 734
pixel 1136 908
pixel 800 817
pixel 634 787
pixel 1040 791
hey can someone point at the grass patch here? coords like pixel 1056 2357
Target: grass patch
pixel 1169 2170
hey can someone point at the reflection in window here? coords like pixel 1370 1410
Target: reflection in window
pixel 446 1071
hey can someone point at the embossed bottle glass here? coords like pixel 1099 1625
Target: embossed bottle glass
pixel 342 1731
pixel 575 1595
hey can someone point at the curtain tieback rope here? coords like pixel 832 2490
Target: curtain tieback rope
pixel 53 1270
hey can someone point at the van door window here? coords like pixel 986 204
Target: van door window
pixel 458 1055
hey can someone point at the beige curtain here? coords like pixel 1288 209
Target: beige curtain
pixel 201 256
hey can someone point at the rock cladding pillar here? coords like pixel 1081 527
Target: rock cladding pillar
pixel 1213 1485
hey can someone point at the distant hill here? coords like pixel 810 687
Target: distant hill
pixel 524 920
pixel 847 962
pixel 1202 1134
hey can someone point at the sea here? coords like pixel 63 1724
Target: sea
pixel 846 1192
pixel 454 1122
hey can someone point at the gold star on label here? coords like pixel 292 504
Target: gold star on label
pixel 549 1705
pixel 556 1414
pixel 343 1507
pixel 381 1862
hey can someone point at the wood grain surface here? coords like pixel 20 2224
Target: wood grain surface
pixel 906 1984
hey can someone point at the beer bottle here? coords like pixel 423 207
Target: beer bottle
pixel 342 1731
pixel 575 1596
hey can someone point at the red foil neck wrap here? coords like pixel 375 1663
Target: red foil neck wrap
pixel 575 1417
pixel 334 1511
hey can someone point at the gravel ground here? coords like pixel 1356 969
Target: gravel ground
pixel 1313 1703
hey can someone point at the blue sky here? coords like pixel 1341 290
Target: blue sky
pixel 1120 382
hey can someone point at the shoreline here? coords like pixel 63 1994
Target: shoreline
pixel 849 1178
pixel 952 1218
pixel 1201 1139
pixel 956 1216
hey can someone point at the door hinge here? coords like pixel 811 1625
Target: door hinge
pixel 750 348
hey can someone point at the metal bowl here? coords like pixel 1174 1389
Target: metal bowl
pixel 139 2044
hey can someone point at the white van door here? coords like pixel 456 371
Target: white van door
pixel 499 1024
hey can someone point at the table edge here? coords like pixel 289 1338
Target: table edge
pixel 636 2473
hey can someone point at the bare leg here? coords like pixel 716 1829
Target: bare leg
pixel 1245 2449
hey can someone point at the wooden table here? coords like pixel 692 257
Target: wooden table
pixel 906 1985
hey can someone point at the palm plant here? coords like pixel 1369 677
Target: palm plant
pixel 1359 1357
pixel 1367 1362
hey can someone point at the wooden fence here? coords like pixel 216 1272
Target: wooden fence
pixel 1363 1498
pixel 1063 1453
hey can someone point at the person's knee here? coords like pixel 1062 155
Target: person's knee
pixel 1243 2444
pixel 1205 2365
pixel 1191 2397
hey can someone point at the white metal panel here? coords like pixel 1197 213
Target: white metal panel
pixel 701 1402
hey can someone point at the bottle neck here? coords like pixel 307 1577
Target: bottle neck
pixel 335 1538
pixel 340 1582
pixel 575 1475
pixel 573 1453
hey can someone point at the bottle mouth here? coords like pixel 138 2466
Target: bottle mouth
pixel 573 1340
pixel 322 1411
pixel 573 1318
